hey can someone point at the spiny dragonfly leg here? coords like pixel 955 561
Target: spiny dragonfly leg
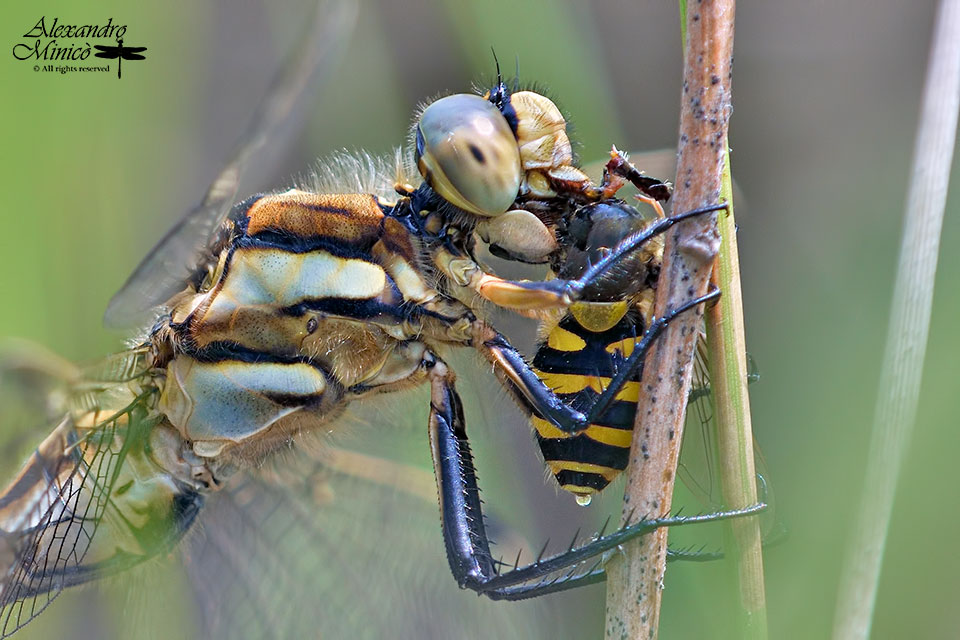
pixel 464 530
pixel 537 398
pixel 525 295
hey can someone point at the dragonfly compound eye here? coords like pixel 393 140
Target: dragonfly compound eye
pixel 467 153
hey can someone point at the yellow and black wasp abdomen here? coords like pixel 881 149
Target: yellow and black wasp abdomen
pixel 577 364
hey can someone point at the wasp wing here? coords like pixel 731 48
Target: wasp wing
pixel 698 467
pixel 167 268
pixel 698 462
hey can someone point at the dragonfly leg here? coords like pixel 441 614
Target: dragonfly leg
pixel 519 583
pixel 464 530
pixel 525 295
pixel 537 398
pixel 573 289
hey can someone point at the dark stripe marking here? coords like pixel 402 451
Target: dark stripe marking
pixel 227 351
pixel 339 247
pixel 580 448
pixel 593 359
pixel 619 415
pixel 582 479
pixel 359 309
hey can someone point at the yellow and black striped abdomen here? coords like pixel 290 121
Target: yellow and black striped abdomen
pixel 577 364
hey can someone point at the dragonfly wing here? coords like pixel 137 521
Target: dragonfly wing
pixel 48 518
pixel 126 54
pixel 167 268
pixel 89 502
pixel 351 548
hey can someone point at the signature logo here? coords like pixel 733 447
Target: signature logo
pixel 52 42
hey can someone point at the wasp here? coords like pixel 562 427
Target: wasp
pixel 582 347
pixel 301 302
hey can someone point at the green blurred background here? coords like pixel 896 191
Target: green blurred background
pixel 826 97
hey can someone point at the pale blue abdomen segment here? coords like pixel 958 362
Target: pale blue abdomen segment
pixel 263 300
pixel 215 404
pixel 280 278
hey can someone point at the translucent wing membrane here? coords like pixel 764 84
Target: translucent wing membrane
pixel 167 268
pixel 698 456
pixel 339 550
pixel 51 513
pixel 333 544
pixel 66 492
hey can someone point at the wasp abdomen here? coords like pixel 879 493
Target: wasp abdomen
pixel 578 364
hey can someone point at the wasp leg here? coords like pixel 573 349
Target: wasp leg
pixel 572 182
pixel 548 294
pixel 619 165
pixel 652 203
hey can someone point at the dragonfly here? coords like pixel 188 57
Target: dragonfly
pixel 287 307
pixel 119 52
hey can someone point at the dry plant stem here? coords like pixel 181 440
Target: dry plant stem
pixel 635 578
pixel 728 381
pixel 896 406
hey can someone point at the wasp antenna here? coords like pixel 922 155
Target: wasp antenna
pixel 516 78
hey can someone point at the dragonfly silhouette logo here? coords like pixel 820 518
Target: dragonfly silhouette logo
pixel 66 48
pixel 121 53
